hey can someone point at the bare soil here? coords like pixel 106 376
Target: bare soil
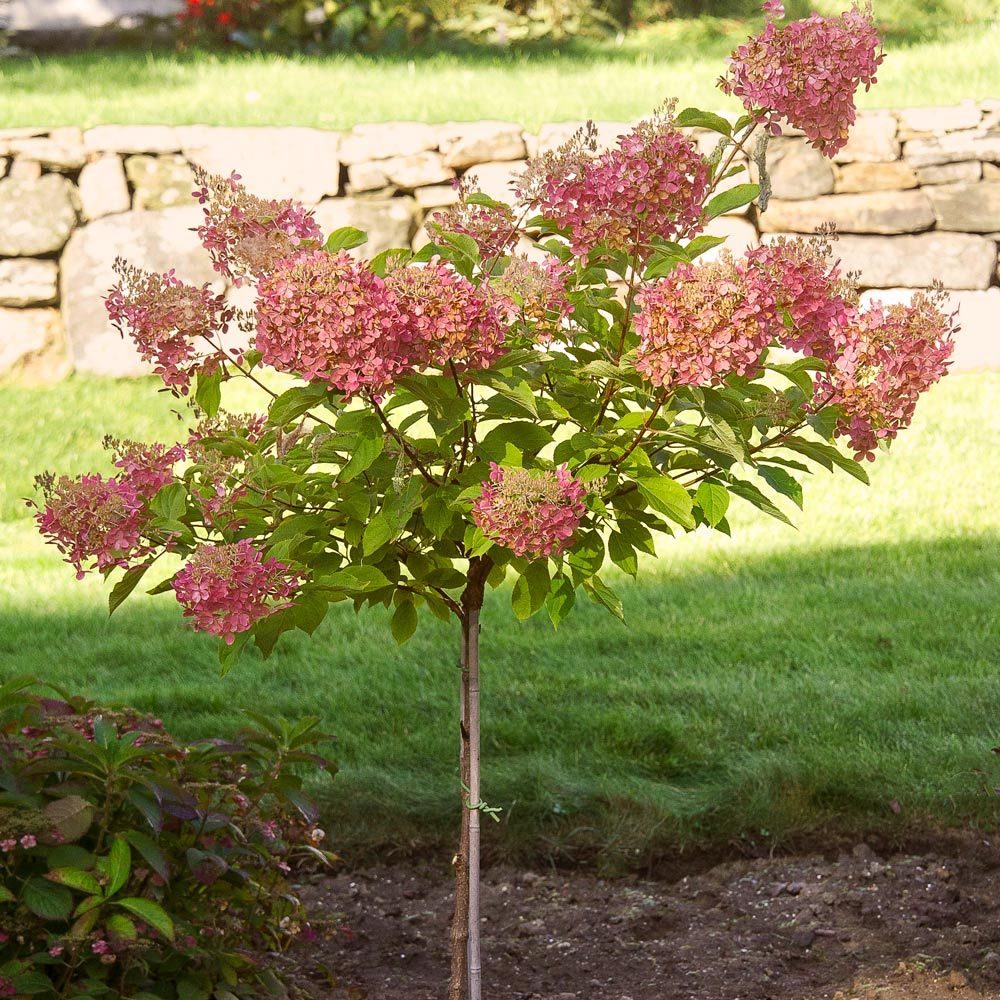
pixel 858 922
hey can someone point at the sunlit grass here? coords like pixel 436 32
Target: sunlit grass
pixel 605 81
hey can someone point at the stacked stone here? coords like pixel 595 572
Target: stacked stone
pixel 915 193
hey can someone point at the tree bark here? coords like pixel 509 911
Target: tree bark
pixel 475 954
pixel 460 920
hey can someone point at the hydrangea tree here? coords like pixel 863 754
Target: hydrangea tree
pixel 546 390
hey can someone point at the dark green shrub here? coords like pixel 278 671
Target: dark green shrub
pixel 132 864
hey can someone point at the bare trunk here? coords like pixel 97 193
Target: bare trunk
pixel 475 956
pixel 460 920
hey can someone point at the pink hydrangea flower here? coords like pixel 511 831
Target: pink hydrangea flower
pixel 807 73
pixel 889 356
pixel 247 236
pixel 448 319
pixel 530 512
pixel 808 289
pixel 652 185
pixel 100 947
pixel 56 950
pixel 28 841
pixel 703 322
pixel 168 321
pixel 329 317
pixel 146 468
pixel 226 589
pixel 493 227
pixel 8 845
pixel 534 294
pixel 94 522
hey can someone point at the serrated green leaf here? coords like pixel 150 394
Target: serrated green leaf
pixel 560 599
pixel 378 532
pixel 6 896
pixel 119 926
pixel 152 913
pixel 208 391
pixel 125 586
pixel 170 502
pixel 117 865
pixel 601 593
pixel 345 238
pixel 366 450
pixel 74 878
pixel 46 899
pixel 751 494
pixel 713 500
pixel 696 118
pixel 150 852
pixel 668 497
pixel 782 481
pixel 294 402
pixel 404 622
pixel 735 197
pixel 622 553
pixel 530 589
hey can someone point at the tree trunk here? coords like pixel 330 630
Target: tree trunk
pixel 466 961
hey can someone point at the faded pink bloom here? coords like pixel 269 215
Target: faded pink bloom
pixel 703 322
pixel 448 319
pixel 225 589
pixel 146 468
pixel 332 318
pixel 889 355
pixel 493 227
pixel 534 294
pixel 8 845
pixel 808 289
pixel 7 987
pixel 170 323
pixel 807 73
pixel 56 950
pixel 95 522
pixel 247 236
pixel 528 511
pixel 100 947
pixel 28 841
pixel 651 186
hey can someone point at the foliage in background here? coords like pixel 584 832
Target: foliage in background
pixel 133 864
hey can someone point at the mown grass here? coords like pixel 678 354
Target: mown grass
pixel 613 80
pixel 779 684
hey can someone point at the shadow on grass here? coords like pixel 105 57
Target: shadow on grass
pixel 753 697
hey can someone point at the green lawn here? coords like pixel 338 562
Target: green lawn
pixel 606 81
pixel 786 681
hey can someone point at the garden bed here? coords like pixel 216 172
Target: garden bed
pixel 858 920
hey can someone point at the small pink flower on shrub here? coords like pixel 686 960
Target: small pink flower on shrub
pixel 528 511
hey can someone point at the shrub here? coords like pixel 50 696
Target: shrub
pixel 132 863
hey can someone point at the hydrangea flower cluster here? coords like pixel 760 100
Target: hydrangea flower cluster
pixel 326 316
pixel 246 236
pixel 447 318
pixel 493 227
pixel 889 355
pixel 528 511
pixel 164 317
pixel 95 522
pixel 809 290
pixel 534 294
pixel 145 467
pixel 652 185
pixel 807 72
pixel 226 589
pixel 703 322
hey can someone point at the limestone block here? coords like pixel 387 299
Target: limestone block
pixel 967 208
pixel 417 170
pixel 24 334
pixel 938 120
pixel 36 216
pixel 951 173
pixel 796 170
pixel 366 177
pixel 494 179
pixel 383 141
pixel 954 147
pixel 160 181
pixel 52 155
pixel 552 136
pixel 466 144
pixel 25 281
pixel 132 139
pixel 857 177
pixel 872 139
pixel 103 190
pixel 876 212
pixel 389 223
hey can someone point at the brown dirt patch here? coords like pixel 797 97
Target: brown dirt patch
pixel 846 924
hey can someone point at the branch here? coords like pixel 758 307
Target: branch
pixel 410 453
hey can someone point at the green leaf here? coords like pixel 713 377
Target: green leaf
pixel 668 497
pixel 437 514
pixel 208 392
pixel 152 913
pixel 150 852
pixel 190 989
pixel 46 899
pixel 601 593
pixel 530 589
pixel 71 816
pixel 119 926
pixel 378 532
pixel 117 865
pixel 73 878
pixel 125 586
pixel 702 244
pixel 751 494
pixel 560 599
pixel 695 118
pixel 294 402
pixel 6 896
pixel 782 481
pixel 529 438
pixel 345 238
pixel 828 456
pixel 404 621
pixel 365 452
pixel 735 197
pixel 30 983
pixel 622 553
pixel 230 652
pixel 713 500
pixel 170 502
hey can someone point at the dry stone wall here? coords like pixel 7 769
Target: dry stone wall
pixel 915 195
